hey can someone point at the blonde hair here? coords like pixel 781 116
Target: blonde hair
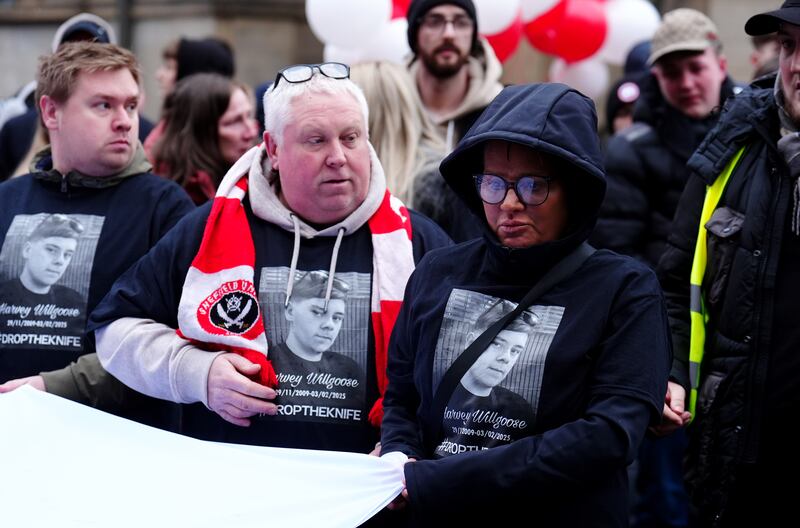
pixel 398 124
pixel 58 73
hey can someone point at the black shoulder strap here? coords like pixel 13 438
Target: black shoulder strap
pixel 563 269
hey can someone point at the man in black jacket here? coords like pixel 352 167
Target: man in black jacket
pixel 91 203
pixel 676 109
pixel 646 176
pixel 736 340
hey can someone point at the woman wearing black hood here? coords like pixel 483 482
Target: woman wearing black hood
pixel 588 358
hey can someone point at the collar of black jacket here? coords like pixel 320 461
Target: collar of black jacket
pixel 42 169
pixel 751 112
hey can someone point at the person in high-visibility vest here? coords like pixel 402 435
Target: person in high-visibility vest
pixel 686 83
pixel 731 276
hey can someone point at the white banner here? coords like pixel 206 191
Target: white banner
pixel 64 464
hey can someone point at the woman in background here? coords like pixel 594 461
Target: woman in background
pixel 208 125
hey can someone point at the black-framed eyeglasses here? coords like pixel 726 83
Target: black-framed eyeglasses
pixel 299 73
pixel 436 23
pixel 530 190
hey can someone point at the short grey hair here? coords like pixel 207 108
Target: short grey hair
pixel 278 103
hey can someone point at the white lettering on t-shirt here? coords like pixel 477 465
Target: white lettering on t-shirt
pixel 13 309
pixel 330 381
pixel 316 411
pixel 40 339
pixel 494 418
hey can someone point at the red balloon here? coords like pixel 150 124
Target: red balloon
pixel 505 43
pixel 400 8
pixel 543 30
pixel 573 30
pixel 583 30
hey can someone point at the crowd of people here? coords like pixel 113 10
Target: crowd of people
pixel 418 259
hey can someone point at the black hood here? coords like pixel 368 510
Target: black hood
pixel 551 118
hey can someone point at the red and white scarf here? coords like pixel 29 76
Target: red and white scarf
pixel 219 307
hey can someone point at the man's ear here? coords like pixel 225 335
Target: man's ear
pixel 272 149
pixel 288 313
pixel 723 63
pixel 48 109
pixel 26 250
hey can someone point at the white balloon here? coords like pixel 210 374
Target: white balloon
pixel 589 77
pixel 495 15
pixel 391 44
pixel 629 23
pixel 348 56
pixel 534 8
pixel 347 23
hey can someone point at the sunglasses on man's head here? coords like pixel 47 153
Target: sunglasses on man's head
pixel 60 219
pixel 304 72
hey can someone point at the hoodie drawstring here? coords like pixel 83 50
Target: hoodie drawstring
pixel 332 270
pixel 295 255
pixel 451 132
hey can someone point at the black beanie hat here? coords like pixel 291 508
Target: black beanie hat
pixel 209 55
pixel 419 8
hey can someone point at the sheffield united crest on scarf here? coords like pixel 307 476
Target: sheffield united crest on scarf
pixel 230 309
pixel 218 307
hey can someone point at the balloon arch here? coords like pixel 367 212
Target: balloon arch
pixel 584 36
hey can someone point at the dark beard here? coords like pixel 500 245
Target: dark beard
pixel 442 71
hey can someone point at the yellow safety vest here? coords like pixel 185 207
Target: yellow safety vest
pixel 698 316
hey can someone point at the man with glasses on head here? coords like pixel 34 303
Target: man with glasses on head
pixel 92 183
pixel 595 370
pixel 197 320
pixel 457 75
pixel 730 277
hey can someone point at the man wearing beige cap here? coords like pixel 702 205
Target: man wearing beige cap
pixel 687 60
pixel 730 276
pixel 676 109
pixel 645 168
